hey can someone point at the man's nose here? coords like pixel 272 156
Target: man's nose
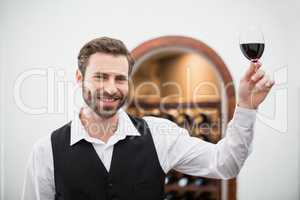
pixel 110 87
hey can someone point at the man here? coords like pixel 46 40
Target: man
pixel 106 154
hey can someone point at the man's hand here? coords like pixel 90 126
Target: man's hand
pixel 254 87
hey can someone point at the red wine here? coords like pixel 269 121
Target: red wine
pixel 252 51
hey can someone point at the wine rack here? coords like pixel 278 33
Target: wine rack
pixel 202 120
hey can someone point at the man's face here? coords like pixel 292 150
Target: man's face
pixel 105 83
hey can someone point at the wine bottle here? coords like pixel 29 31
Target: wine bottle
pixel 198 181
pixel 170 195
pixel 182 182
pixel 170 179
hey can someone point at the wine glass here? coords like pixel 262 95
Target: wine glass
pixel 252 43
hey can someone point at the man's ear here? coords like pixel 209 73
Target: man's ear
pixel 79 77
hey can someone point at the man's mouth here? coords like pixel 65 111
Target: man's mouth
pixel 108 99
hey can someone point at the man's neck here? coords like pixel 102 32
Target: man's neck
pixel 97 126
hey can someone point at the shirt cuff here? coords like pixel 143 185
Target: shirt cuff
pixel 244 117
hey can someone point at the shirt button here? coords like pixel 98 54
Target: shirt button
pixel 110 184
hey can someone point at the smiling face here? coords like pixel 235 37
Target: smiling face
pixel 105 83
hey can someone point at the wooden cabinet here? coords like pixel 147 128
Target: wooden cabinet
pixel 185 81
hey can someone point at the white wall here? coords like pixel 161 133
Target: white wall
pixel 42 34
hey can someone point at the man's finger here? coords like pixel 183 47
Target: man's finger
pixel 259 74
pixel 264 85
pixel 260 84
pixel 270 83
pixel 254 66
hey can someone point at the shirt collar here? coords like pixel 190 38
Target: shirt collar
pixel 125 128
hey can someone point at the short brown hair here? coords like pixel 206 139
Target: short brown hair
pixel 103 45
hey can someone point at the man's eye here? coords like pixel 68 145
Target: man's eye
pixel 121 79
pixel 99 77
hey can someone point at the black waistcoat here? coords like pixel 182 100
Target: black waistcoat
pixel 135 172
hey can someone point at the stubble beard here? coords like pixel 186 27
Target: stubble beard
pixel 105 112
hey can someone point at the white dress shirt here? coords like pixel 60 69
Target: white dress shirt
pixel 175 148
